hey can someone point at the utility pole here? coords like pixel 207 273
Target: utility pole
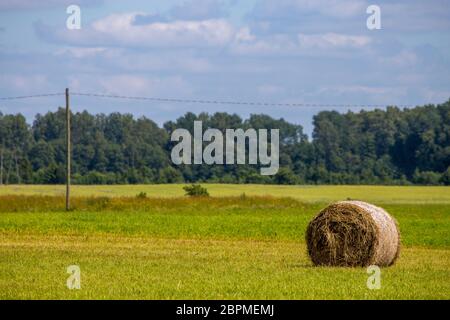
pixel 68 151
pixel 1 167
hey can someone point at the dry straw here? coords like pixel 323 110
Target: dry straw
pixel 353 233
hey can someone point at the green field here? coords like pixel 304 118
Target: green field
pixel 228 246
pixel 325 194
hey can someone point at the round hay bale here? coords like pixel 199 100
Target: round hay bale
pixel 353 233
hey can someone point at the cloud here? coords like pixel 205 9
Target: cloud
pixel 121 30
pixel 142 30
pixel 404 58
pixel 143 19
pixel 79 53
pixel 300 44
pixel 332 40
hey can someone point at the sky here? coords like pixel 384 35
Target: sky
pixel 276 51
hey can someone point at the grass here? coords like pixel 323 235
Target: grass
pixel 209 248
pixel 152 268
pixel 307 193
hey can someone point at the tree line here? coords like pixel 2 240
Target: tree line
pixel 391 146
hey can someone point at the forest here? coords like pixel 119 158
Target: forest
pixel 390 146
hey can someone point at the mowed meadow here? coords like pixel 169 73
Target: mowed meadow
pixel 243 242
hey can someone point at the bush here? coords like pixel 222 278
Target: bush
pixel 196 190
pixel 141 195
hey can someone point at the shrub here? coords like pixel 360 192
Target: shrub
pixel 141 195
pixel 196 190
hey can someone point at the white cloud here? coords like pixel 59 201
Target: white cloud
pixel 404 58
pixel 244 34
pixel 263 46
pixel 120 30
pixel 302 44
pixel 332 40
pixel 78 52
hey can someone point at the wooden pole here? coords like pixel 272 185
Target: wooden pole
pixel 68 151
pixel 1 167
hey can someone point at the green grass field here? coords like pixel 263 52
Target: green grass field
pixel 325 194
pixel 224 247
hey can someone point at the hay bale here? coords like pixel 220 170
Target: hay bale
pixel 353 233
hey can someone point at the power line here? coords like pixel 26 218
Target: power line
pixel 32 96
pixel 205 101
pixel 230 102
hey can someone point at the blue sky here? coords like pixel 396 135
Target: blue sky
pixel 284 51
